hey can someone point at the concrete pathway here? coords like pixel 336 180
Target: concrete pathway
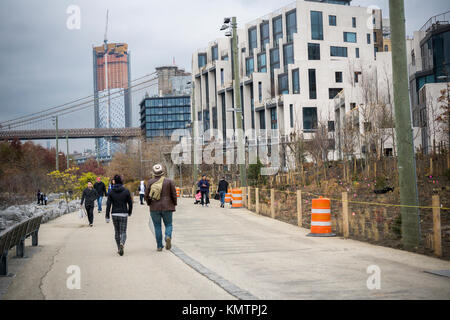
pixel 218 254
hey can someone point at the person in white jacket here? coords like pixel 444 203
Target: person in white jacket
pixel 142 192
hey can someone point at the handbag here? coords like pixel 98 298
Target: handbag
pixel 81 213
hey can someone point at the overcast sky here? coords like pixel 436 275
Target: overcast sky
pixel 44 64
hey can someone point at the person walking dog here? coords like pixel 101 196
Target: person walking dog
pixel 161 197
pixel 88 197
pixel 121 202
pixel 100 187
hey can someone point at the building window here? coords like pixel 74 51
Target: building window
pixel 313 51
pixel 312 84
pixel 252 40
pixel 357 74
pixel 273 118
pixel 338 76
pixel 283 84
pixel 221 77
pixel 274 64
pixel 295 81
pixel 277 30
pixel 316 25
pixel 260 91
pixel 374 36
pixel 332 20
pixel 288 55
pixel 215 53
pixel 262 119
pixel 291 24
pixel 224 116
pixel 201 60
pixel 252 105
pixel 262 62
pixel 375 51
pixel 353 22
pixel 368 38
pixel 291 115
pixel 225 57
pixel 357 52
pixel 338 51
pixel 333 92
pixel 309 119
pixel 386 48
pixel 214 114
pixel 249 66
pixel 264 33
pixel 350 37
pixel 331 126
pixel 352 105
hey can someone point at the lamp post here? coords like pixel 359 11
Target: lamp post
pixel 237 97
pixel 55 122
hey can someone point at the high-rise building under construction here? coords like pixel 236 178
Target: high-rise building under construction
pixel 112 93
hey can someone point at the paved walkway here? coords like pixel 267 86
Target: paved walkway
pixel 218 254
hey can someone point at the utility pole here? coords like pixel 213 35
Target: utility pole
pixel 67 151
pixel 238 109
pixel 405 143
pixel 55 119
pixel 194 133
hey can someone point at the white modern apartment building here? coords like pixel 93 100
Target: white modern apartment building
pixel 300 66
pixel 429 76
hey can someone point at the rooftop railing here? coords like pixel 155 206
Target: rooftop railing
pixel 440 19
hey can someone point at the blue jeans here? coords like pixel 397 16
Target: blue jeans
pixel 99 203
pixel 222 197
pixel 166 216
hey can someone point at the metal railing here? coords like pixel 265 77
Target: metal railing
pixel 440 19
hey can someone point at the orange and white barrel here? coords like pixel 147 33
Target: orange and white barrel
pixel 228 196
pixel 321 218
pixel 236 197
pixel 178 192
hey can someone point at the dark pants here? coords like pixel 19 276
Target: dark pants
pixel 120 229
pixel 205 194
pixel 141 197
pixel 90 213
pixel 222 197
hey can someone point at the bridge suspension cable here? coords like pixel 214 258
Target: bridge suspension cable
pixel 73 108
pixel 60 108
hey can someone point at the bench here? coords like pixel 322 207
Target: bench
pixel 15 236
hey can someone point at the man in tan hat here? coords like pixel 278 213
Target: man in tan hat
pixel 161 196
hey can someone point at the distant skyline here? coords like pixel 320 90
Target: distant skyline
pixel 44 64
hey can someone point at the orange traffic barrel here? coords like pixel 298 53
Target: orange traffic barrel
pixel 321 218
pixel 236 197
pixel 228 196
pixel 178 192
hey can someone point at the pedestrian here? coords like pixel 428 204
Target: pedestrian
pixel 142 192
pixel 39 197
pixel 45 199
pixel 121 202
pixel 89 196
pixel 161 196
pixel 111 185
pixel 222 189
pixel 198 196
pixel 203 184
pixel 100 187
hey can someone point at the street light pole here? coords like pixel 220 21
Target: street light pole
pixel 67 151
pixel 238 111
pixel 57 146
pixel 410 226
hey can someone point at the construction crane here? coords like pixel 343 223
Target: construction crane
pixel 105 45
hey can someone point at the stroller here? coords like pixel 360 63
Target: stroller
pixel 198 197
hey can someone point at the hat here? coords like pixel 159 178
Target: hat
pixel 158 170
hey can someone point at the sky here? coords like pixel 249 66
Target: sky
pixel 43 63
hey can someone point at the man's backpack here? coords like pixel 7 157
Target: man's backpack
pixel 155 190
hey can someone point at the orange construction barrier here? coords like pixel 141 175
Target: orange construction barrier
pixel 178 192
pixel 228 196
pixel 321 218
pixel 236 197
